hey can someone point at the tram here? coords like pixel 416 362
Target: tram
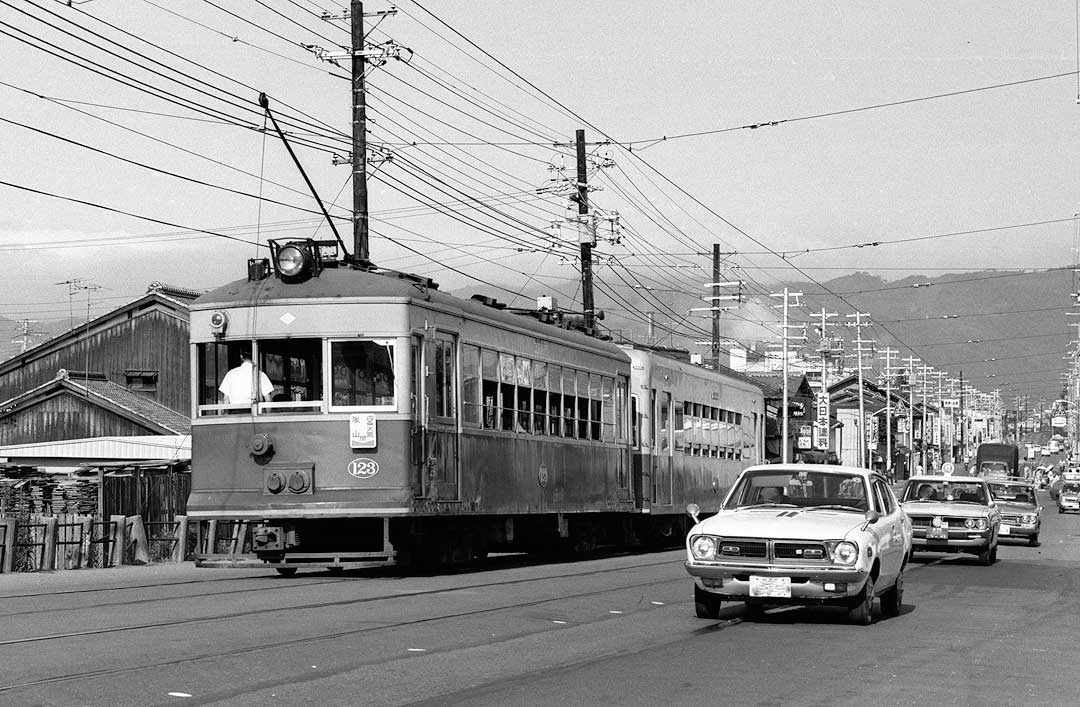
pixel 410 426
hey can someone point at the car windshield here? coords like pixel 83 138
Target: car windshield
pixel 800 488
pixel 1070 488
pixel 927 490
pixel 1013 494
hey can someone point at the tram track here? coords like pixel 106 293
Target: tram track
pixel 365 630
pixel 311 605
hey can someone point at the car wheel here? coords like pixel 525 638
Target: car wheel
pixel 1033 541
pixel 286 571
pixel 706 604
pixel 993 554
pixel 1060 509
pixel 860 613
pixel 893 600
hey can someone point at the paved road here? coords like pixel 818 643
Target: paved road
pixel 618 630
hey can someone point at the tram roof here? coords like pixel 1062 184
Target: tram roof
pixel 347 283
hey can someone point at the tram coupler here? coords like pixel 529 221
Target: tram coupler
pixel 268 538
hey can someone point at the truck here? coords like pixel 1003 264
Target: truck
pixel 997 460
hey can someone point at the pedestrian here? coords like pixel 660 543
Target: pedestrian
pixel 236 386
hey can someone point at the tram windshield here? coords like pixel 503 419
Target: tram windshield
pixel 288 376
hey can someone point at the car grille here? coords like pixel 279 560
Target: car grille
pixel 926 521
pixel 1011 519
pixel 743 548
pixel 765 550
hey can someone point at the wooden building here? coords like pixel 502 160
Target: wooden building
pixel 124 373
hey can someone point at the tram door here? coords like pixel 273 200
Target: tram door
pixel 437 412
pixel 662 446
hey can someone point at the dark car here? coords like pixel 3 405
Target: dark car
pixel 1021 514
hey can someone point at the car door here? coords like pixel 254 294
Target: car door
pixel 893 539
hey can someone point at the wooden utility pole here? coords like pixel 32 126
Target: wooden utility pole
pixel 586 235
pixel 361 251
pixel 716 312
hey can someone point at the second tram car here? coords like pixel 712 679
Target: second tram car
pixel 407 425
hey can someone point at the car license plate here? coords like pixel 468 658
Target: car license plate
pixel 937 534
pixel 1003 530
pixel 770 586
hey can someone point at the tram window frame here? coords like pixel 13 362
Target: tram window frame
pixel 539 397
pixel 608 429
pixel 224 356
pixel 444 369
pixel 471 408
pixel 583 422
pixel 341 374
pixel 295 367
pixel 569 402
pixel 489 391
pixel 678 421
pixel 507 392
pixel 555 400
pixel 621 410
pixel 523 381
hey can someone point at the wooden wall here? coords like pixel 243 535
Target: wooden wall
pixel 154 339
pixel 65 416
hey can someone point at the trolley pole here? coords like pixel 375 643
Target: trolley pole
pixel 586 235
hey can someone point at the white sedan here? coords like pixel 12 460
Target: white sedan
pixel 801 534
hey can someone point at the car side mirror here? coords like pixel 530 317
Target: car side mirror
pixel 693 509
pixel 872 517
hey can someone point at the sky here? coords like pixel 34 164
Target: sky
pixel 948 134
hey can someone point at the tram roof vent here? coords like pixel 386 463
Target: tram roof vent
pixel 489 301
pixel 547 303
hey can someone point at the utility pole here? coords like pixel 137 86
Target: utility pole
pixel 361 251
pixel 826 350
pixel 925 371
pixel 716 312
pixel 911 412
pixel 963 424
pixel 586 234
pixel 888 408
pixel 864 446
pixel 24 337
pixel 787 294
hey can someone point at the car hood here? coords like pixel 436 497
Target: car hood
pixel 785 523
pixel 1016 508
pixel 943 508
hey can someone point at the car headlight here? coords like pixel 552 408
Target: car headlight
pixel 1028 518
pixel 844 553
pixel 981 524
pixel 703 547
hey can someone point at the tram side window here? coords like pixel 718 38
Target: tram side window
pixel 489 372
pixel 539 392
pixel 295 368
pixel 507 405
pixel 470 390
pixel 608 412
pixel 555 401
pixel 664 423
pixel 523 378
pixel 677 424
pixel 361 373
pixel 569 402
pixel 583 405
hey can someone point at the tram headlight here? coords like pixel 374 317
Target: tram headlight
pixel 293 260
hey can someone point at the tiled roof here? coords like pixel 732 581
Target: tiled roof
pixel 140 405
pixel 108 394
